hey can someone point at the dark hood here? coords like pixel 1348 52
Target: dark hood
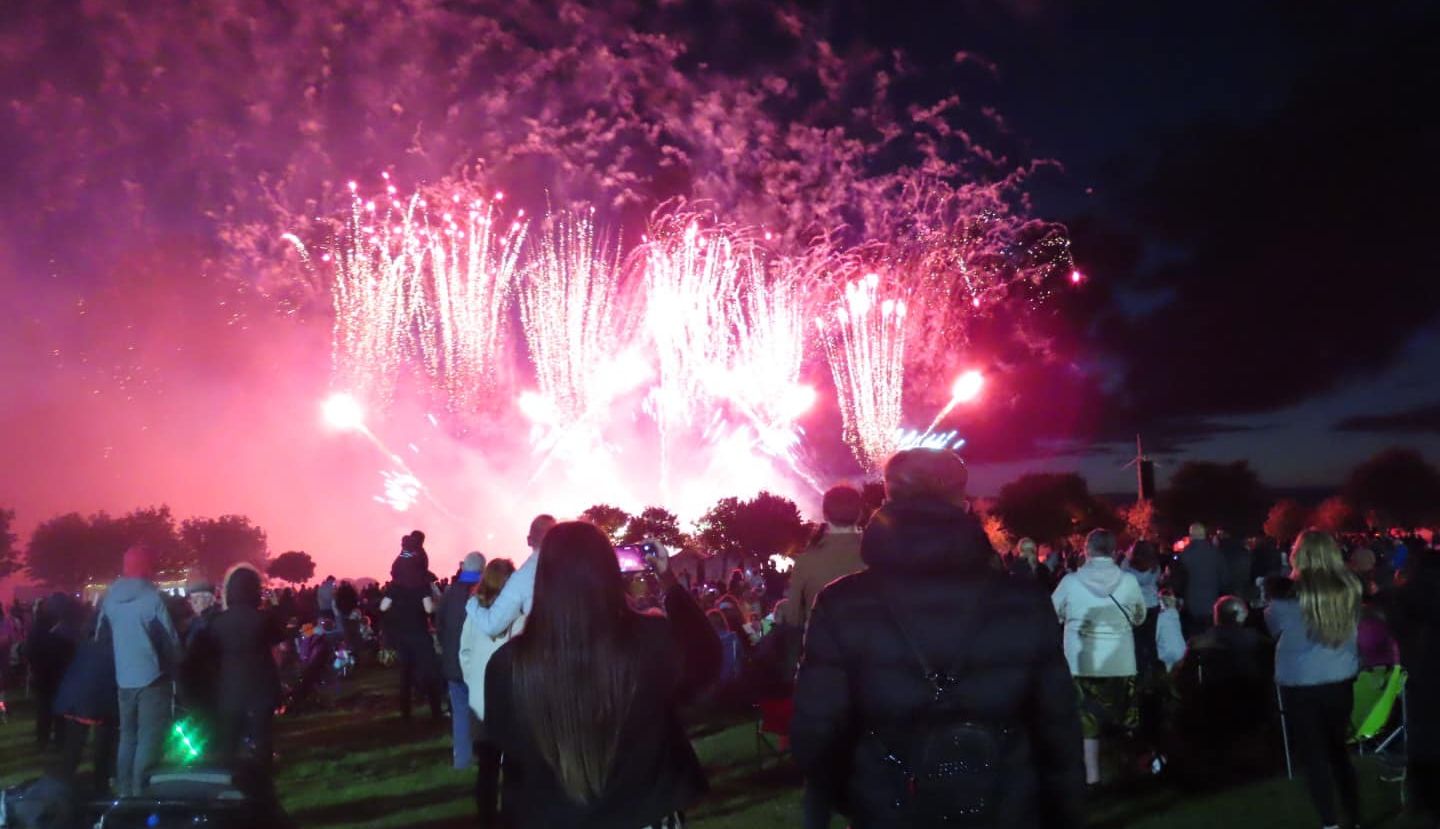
pixel 242 588
pixel 925 536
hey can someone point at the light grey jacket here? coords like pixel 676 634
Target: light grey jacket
pixel 1299 659
pixel 146 644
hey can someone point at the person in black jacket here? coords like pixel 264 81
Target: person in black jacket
pixel 49 649
pixel 449 622
pixel 930 643
pixel 240 639
pixel 1415 615
pixel 583 703
pixel 87 701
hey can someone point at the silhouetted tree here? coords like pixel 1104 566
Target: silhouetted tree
pixel 69 551
pixel 1287 519
pixel 753 530
pixel 1050 506
pixel 293 566
pixel 217 543
pixel 1395 488
pixel 657 523
pixel 1337 515
pixel 1226 495
pixel 9 553
pixel 610 520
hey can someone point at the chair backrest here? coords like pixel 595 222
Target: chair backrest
pixel 1376 691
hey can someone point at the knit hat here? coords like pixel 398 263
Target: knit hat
pixel 139 563
pixel 471 568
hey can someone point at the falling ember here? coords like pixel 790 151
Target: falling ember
pixel 865 343
pixel 1076 277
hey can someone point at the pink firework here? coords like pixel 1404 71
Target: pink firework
pixel 865 342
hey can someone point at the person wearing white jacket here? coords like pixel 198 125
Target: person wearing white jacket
pixel 1100 605
pixel 476 648
pixel 519 593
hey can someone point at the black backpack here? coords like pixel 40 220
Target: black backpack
pixel 947 765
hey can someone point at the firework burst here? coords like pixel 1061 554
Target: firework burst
pixel 865 342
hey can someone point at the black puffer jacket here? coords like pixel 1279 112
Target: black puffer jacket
pixel 858 675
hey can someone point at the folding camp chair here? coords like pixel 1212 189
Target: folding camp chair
pixel 1376 692
pixel 773 721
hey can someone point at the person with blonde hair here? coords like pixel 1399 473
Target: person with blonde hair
pixel 475 650
pixel 1314 617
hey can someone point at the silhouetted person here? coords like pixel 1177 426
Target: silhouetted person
pixel 146 650
pixel 933 687
pixel 1205 579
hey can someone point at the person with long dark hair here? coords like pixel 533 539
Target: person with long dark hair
pixel 584 703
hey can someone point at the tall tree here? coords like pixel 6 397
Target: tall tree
pixel 9 553
pixel 1227 495
pixel 294 566
pixel 69 551
pixel 217 543
pixel 610 520
pixel 753 530
pixel 1051 506
pixel 1287 519
pixel 657 523
pixel 1395 488
pixel 1337 515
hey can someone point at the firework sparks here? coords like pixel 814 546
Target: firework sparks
pixel 966 389
pixel 570 312
pixel 865 343
pixel 915 439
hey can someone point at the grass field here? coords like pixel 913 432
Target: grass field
pixel 361 766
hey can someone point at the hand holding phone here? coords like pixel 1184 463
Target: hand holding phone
pixel 656 555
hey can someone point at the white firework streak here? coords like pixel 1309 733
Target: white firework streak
pixel 570 317
pixel 865 343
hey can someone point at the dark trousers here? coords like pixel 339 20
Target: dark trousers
pixel 419 666
pixel 487 783
pixel 75 736
pixel 47 725
pixel 1319 721
pixel 244 731
pixel 816 808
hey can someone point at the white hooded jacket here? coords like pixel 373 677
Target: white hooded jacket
pixel 1099 604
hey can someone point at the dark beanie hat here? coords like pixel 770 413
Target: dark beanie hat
pixel 242 588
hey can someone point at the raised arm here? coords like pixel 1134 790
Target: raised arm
pixel 513 601
pixel 699 645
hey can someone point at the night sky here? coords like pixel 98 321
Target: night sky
pixel 1249 190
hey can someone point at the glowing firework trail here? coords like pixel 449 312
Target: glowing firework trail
pixel 343 413
pixel 913 439
pixel 571 319
pixel 967 387
pixel 865 343
pixel 472 259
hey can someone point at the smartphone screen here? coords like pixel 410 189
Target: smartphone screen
pixel 631 558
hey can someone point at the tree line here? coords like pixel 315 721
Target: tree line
pixel 1395 488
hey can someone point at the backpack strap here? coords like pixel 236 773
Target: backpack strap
pixel 940 681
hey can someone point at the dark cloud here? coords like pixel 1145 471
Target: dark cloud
pixel 1297 252
pixel 1421 420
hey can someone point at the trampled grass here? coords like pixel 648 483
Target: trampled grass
pixel 360 766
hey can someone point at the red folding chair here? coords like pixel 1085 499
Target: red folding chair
pixel 772 727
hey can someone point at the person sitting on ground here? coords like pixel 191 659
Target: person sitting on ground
pixel 1314 617
pixel 931 687
pixel 833 552
pixel 476 650
pixel 584 703
pixel 1244 650
pixel 147 650
pixel 1100 606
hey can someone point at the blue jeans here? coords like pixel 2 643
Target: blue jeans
pixel 464 752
